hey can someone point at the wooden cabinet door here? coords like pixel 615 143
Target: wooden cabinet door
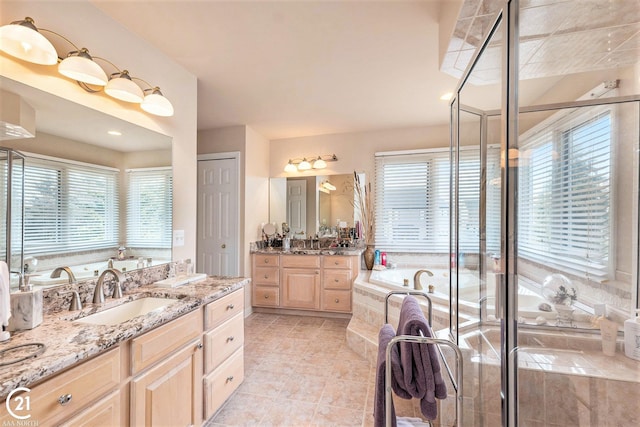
pixel 300 288
pixel 170 393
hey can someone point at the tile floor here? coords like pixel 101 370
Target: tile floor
pixel 299 371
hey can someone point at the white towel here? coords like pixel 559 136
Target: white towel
pixel 5 296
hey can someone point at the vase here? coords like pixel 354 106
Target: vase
pixel 369 254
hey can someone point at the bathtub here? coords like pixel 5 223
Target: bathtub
pixel 565 379
pixel 468 289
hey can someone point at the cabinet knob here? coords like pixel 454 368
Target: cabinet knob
pixel 64 399
pixel 231 307
pixel 199 345
pixel 266 276
pixel 231 338
pixel 223 246
pixel 266 260
pixel 336 280
pixel 266 297
pixel 229 379
pixel 337 300
pixel 337 263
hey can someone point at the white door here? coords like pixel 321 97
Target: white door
pixel 297 206
pixel 218 217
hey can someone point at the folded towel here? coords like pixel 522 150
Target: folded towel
pixel 421 368
pixel 5 296
pixel 379 410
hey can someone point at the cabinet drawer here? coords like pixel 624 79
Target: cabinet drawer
pixel 223 341
pixel 336 300
pixel 266 296
pixel 337 279
pixel 82 385
pixel 106 412
pixel 219 384
pixel 266 276
pixel 337 261
pixel 225 308
pixel 157 344
pixel 264 260
pixel 301 261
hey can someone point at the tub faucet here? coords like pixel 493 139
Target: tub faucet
pixel 98 292
pixel 56 273
pixel 416 278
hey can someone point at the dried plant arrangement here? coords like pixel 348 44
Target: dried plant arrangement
pixel 364 204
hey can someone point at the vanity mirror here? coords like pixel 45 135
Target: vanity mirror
pixel 96 188
pixel 312 204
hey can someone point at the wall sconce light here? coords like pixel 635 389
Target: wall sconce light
pixel 328 186
pixel 303 164
pixel 23 40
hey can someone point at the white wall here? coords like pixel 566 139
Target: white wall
pixel 84 24
pixel 355 151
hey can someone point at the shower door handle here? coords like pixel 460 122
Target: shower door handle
pixel 499 295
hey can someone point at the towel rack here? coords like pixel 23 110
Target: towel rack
pixel 456 379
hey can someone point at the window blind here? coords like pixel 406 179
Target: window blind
pixel 69 207
pixel 565 195
pixel 412 202
pixel 149 208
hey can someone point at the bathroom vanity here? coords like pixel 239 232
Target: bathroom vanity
pixel 128 373
pixel 320 281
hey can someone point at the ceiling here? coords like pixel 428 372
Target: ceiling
pixel 299 68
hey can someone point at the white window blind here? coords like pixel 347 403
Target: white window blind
pixel 412 202
pixel 69 207
pixel 564 195
pixel 149 208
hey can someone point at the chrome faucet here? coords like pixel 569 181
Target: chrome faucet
pixel 98 292
pixel 56 273
pixel 416 278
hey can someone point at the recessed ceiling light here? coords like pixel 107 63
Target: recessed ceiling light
pixel 114 133
pixel 447 96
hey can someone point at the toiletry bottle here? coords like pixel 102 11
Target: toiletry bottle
pixel 376 257
pixel 632 337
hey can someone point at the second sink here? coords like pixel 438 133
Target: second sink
pixel 127 311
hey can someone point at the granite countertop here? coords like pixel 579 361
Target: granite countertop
pixel 68 342
pixel 302 251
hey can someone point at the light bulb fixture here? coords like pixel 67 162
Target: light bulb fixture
pixel 319 163
pixel 80 66
pixel 121 87
pixel 304 165
pixel 156 103
pixel 290 167
pixel 21 39
pixel 328 186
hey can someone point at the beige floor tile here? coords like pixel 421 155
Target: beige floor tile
pixel 344 394
pixel 299 372
pixel 337 417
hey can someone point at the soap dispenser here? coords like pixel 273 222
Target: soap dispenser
pixel 632 337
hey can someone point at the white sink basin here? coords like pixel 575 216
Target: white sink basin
pixel 127 311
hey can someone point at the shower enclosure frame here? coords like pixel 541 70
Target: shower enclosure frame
pixel 9 230
pixel 507 281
